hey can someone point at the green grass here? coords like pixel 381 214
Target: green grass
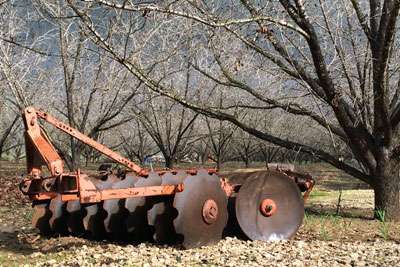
pixel 315 194
pixel 384 226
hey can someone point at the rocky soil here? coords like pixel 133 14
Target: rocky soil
pixel 233 252
pixel 68 251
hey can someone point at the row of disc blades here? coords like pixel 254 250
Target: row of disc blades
pixel 174 219
pixel 194 217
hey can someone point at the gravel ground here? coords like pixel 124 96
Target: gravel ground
pixel 26 248
pixel 228 252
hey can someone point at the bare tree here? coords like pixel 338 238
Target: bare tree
pixel 169 125
pixel 201 148
pixel 245 146
pixel 4 135
pixel 137 144
pixel 268 151
pixel 20 73
pixel 96 92
pixel 220 136
pixel 333 63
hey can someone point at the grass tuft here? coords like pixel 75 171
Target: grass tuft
pixel 384 226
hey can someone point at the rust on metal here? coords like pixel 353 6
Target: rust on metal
pixel 289 212
pixel 268 207
pixel 304 181
pixel 88 141
pixel 95 196
pixel 39 147
pixel 309 184
pixel 228 187
pixel 210 211
pixel 133 192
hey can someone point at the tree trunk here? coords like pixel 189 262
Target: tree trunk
pixel 6 134
pixel 75 155
pixel 204 156
pixel 387 198
pixel 169 163
pixel 246 162
pixel 18 153
pixel 86 162
pixel 218 163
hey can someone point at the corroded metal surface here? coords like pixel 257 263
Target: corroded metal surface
pixel 189 223
pixel 287 214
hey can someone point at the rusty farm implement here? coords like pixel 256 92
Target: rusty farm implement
pixel 191 207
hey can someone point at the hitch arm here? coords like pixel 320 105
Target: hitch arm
pixel 48 152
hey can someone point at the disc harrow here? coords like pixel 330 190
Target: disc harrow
pixel 189 208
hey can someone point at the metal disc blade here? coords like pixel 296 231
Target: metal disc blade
pixel 75 216
pixel 190 224
pixel 94 213
pixel 93 220
pixel 161 217
pixel 286 204
pixel 57 220
pixel 41 216
pixel 136 222
pixel 162 214
pixel 116 213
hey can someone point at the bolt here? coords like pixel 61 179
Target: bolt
pixel 268 207
pixel 210 211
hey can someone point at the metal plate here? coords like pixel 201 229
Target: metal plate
pixel 190 225
pixel 57 221
pixel 41 216
pixel 136 222
pixel 116 213
pixel 289 214
pixel 162 214
pixel 74 218
pixel 94 213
